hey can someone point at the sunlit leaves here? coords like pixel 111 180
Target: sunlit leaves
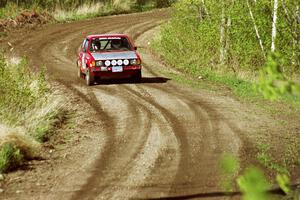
pixel 229 166
pixel 253 185
pixel 284 182
pixel 272 82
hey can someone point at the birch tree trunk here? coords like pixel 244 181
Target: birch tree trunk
pixel 222 35
pixel 256 30
pixel 205 9
pixel 273 47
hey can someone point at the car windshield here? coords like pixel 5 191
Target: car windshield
pixel 110 44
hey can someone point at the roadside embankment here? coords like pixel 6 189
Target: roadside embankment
pixel 30 112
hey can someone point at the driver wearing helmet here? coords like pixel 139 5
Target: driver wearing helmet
pixel 96 45
pixel 116 44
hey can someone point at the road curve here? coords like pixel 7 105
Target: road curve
pixel 161 139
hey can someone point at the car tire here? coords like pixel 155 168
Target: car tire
pixel 138 77
pixel 89 79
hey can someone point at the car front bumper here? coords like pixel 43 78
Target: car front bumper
pixel 127 72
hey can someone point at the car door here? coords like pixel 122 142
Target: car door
pixel 82 54
pixel 79 60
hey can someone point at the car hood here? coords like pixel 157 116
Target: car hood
pixel 115 55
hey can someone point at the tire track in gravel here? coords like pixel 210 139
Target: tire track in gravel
pixel 220 133
pixel 49 53
pixel 210 141
pixel 162 139
pixel 124 138
pixel 93 181
pixel 169 146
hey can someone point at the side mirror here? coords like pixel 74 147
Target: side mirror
pixel 135 48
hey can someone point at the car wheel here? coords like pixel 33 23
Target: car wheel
pixel 138 77
pixel 89 78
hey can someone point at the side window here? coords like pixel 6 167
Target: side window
pixel 85 45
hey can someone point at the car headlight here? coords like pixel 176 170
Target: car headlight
pixel 114 62
pixel 99 63
pixel 126 62
pixel 133 62
pixel 107 63
pixel 120 62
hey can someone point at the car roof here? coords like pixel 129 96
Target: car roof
pixel 107 35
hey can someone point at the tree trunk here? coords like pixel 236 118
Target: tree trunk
pixel 222 35
pixel 273 47
pixel 256 30
pixel 204 7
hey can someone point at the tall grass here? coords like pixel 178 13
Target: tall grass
pixel 72 4
pixel 97 9
pixel 77 9
pixel 93 10
pixel 83 11
pixel 28 108
pixel 19 88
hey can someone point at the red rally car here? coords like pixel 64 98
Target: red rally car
pixel 108 56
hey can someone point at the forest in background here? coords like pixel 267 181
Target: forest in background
pixel 236 39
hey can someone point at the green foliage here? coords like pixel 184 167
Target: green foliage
pixel 284 182
pixel 192 41
pixel 48 124
pixel 267 161
pixel 26 99
pixel 163 3
pixel 253 185
pixel 41 131
pixel 143 5
pixel 73 10
pixel 229 166
pixel 19 88
pixel 272 82
pixel 10 157
pixel 10 9
pixel 42 83
pixel 252 182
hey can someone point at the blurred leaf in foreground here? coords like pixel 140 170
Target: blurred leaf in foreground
pixel 253 185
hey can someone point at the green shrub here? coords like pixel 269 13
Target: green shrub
pixel 47 125
pixel 10 157
pixel 254 185
pixel 26 99
pixel 230 167
pixel 20 89
pixel 272 82
pixel 252 182
pixel 163 3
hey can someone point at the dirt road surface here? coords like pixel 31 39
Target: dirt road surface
pixel 137 141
